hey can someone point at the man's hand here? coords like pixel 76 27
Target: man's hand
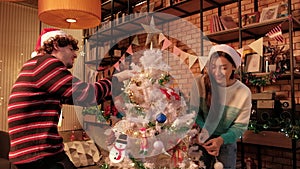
pixel 213 146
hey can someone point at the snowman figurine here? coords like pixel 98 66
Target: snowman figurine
pixel 117 152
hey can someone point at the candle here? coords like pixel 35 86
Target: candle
pixel 267 66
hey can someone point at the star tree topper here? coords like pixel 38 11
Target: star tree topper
pixel 151 30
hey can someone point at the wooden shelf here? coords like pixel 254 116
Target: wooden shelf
pixel 260 29
pixel 189 7
pixel 225 36
pixel 267 138
pixel 104 61
pixel 286 75
pixel 119 5
pixel 162 16
pixel 253 30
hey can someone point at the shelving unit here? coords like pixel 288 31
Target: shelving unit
pixel 185 8
pixel 252 31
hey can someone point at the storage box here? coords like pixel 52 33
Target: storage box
pixel 265 104
pixel 263 96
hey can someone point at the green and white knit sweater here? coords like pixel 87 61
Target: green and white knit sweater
pixel 233 113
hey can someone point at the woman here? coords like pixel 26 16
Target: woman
pixel 225 105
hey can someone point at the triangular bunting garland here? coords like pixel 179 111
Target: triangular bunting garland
pixel 117 66
pixel 161 37
pixel 111 69
pixel 202 61
pixel 166 44
pixel 136 41
pixel 176 51
pixel 240 51
pixel 257 46
pixel 183 56
pixel 122 59
pixel 60 120
pixel 129 50
pixel 192 60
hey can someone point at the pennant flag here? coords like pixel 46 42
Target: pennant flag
pixel 117 66
pixel 176 51
pixel 202 61
pixel 111 69
pixel 166 44
pixel 240 51
pixel 276 33
pixel 60 120
pixel 136 41
pixel 192 60
pixel 183 56
pixel 161 37
pixel 122 59
pixel 129 50
pixel 257 46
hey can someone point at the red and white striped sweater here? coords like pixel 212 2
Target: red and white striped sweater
pixel 35 103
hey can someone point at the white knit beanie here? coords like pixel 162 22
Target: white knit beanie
pixel 229 50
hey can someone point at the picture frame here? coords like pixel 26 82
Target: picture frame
pixel 253 17
pixel 250 18
pixel 253 63
pixel 282 10
pixel 269 13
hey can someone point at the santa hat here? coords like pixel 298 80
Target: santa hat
pixel 45 35
pixel 229 50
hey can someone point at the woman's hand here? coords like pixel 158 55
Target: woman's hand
pixel 213 146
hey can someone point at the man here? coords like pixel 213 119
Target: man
pixel 36 99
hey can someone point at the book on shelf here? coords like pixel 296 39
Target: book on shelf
pixel 213 24
pixel 220 26
pixel 216 24
pixel 228 22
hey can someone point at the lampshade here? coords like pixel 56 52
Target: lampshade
pixel 83 14
pixel 11 0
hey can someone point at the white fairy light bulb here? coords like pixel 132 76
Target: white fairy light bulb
pixel 158 145
pixel 218 164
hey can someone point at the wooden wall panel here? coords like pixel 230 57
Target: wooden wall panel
pixel 19 30
pixel 19 27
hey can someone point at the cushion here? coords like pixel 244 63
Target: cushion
pixel 82 153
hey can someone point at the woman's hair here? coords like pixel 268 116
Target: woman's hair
pixel 228 57
pixel 207 78
pixel 61 41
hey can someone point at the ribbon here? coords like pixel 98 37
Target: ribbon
pixel 169 93
pixel 178 153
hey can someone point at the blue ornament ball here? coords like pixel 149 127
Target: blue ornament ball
pixel 161 118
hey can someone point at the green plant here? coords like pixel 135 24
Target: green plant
pixel 95 110
pixel 290 128
pixel 267 79
pixel 90 110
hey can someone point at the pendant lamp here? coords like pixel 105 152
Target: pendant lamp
pixel 71 14
pixel 11 0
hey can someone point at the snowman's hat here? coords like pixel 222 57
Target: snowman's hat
pixel 122 139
